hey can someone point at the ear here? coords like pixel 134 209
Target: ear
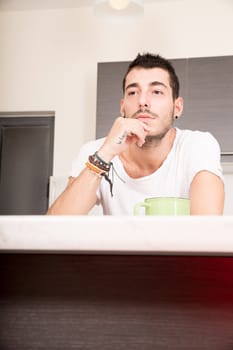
pixel 178 108
pixel 122 108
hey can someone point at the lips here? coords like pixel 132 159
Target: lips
pixel 144 117
pixel 144 114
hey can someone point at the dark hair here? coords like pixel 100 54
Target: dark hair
pixel 149 60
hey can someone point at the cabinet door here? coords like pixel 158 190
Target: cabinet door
pixel 109 93
pixel 26 164
pixel 209 99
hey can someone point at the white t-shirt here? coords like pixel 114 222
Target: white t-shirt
pixel 192 152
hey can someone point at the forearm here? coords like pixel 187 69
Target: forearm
pixel 79 196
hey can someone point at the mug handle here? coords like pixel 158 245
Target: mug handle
pixel 138 206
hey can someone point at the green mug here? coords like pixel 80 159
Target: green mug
pixel 164 206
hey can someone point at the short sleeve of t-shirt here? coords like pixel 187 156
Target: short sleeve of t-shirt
pixel 203 154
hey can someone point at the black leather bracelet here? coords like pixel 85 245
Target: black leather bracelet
pixel 99 163
pixel 101 160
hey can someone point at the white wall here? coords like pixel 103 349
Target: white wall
pixel 48 59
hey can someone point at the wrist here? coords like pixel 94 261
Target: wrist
pixel 100 167
pixel 104 155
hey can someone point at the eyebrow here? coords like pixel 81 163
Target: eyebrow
pixel 153 83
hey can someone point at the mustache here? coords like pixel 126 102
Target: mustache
pixel 144 110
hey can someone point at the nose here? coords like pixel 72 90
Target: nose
pixel 143 101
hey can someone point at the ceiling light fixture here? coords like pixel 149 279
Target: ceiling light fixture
pixel 118 8
pixel 118 4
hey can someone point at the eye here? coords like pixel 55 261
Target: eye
pixel 131 92
pixel 157 92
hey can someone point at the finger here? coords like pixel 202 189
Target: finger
pixel 138 140
pixel 145 127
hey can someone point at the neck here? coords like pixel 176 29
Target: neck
pixel 142 161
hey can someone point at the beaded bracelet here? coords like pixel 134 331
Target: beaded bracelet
pixel 100 167
pixel 101 160
pixel 98 162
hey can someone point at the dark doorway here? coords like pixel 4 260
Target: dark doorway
pixel 26 156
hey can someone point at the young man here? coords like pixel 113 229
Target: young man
pixel 146 154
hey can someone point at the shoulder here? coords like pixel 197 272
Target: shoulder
pixel 84 152
pixel 196 139
pixel 200 151
pixel 87 149
pixel 92 146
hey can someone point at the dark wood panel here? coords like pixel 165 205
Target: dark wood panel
pixel 116 302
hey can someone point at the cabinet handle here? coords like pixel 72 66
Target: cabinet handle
pixel 227 154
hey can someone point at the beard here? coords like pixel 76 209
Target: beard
pixel 154 140
pixel 158 136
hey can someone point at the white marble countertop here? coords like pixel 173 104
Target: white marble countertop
pixel 117 235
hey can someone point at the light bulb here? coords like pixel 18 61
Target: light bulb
pixel 119 4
